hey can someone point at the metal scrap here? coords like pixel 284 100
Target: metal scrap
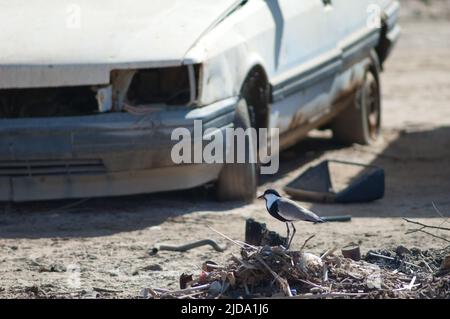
pixel 188 246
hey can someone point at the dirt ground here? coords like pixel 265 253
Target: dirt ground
pixel 99 247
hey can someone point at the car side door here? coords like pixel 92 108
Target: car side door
pixel 306 60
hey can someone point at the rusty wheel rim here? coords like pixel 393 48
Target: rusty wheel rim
pixel 372 104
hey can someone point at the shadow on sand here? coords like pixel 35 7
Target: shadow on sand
pixel 417 167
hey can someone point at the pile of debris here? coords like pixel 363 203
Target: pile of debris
pixel 273 272
pixel 266 269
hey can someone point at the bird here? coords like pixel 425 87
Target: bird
pixel 287 211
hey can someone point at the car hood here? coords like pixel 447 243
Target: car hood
pixel 131 33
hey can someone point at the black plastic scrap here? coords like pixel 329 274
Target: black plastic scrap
pixel 315 185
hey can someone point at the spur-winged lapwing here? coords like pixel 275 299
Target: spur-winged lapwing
pixel 287 211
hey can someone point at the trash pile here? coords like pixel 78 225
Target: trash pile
pixel 273 272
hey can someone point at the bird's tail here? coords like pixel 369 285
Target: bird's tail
pixel 320 221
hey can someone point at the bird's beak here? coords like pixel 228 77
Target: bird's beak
pixel 261 196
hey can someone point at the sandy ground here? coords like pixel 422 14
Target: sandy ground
pixel 50 250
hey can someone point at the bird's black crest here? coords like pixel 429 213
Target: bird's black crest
pixel 272 191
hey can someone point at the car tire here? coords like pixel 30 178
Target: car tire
pixel 238 181
pixel 360 122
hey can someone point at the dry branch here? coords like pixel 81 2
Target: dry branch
pixel 306 241
pixel 428 233
pixel 426 226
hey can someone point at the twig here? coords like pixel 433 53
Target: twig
pixel 426 264
pixel 325 273
pixel 312 284
pixel 288 288
pixel 406 288
pixel 214 266
pixel 226 237
pixel 187 290
pixel 428 233
pixel 146 291
pixel 306 241
pixel 392 258
pixel 328 252
pixel 283 283
pixel 235 259
pixel 192 295
pixel 245 244
pixel 161 290
pixel 98 289
pixel 153 292
pixel 440 214
pixel 40 290
pixel 426 226
pixel 411 284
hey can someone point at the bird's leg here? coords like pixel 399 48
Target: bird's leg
pixel 293 234
pixel 287 237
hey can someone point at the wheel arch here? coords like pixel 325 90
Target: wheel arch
pixel 255 88
pixel 375 66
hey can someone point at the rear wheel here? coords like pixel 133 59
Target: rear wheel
pixel 238 181
pixel 361 121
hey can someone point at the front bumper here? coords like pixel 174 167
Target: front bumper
pixel 102 155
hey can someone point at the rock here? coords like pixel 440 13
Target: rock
pixel 53 268
pixel 402 250
pixel 145 293
pixel 91 295
pixel 446 263
pixel 310 262
pixel 316 290
pixel 257 234
pixel 374 282
pixel 374 279
pixel 185 279
pixel 353 252
pixel 154 267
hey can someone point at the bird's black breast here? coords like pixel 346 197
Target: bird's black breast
pixel 273 210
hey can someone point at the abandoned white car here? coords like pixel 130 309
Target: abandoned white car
pixel 90 91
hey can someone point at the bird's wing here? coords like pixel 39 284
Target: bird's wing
pixel 291 211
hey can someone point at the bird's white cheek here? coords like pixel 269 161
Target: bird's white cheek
pixel 270 199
